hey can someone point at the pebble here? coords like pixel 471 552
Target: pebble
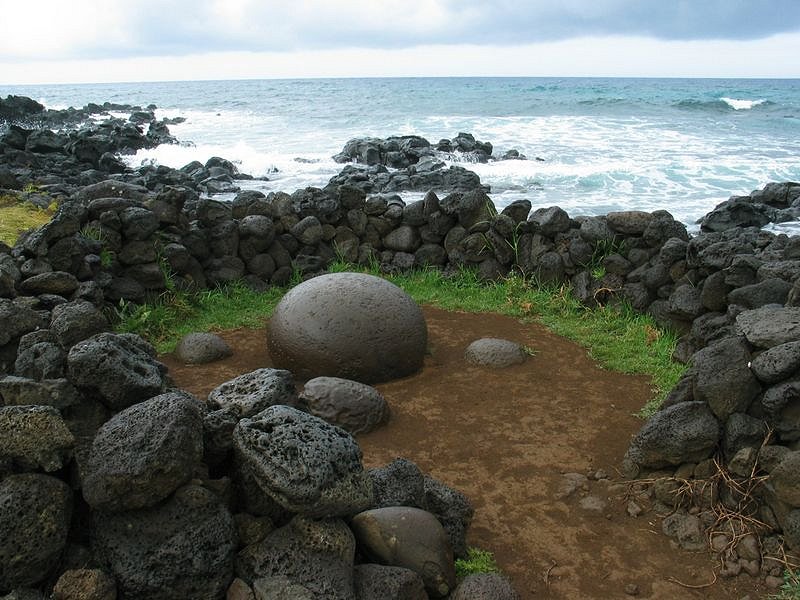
pixel 634 510
pixel 632 589
pixel 773 582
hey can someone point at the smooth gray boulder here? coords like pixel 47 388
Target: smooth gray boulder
pixel 348 325
pixel 684 432
pixel 252 392
pixel 76 321
pixel 402 536
pixel 770 325
pixel 34 437
pixel 495 353
pixel 201 348
pixel 353 406
pixel 485 586
pixel 35 513
pixel 117 369
pixel 305 464
pixel 380 582
pixel 315 554
pixel 144 453
pixel 182 548
pixel 723 378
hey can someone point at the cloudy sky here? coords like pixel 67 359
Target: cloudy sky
pixel 61 41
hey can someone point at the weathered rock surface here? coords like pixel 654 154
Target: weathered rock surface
pixel 770 326
pixel 684 432
pixel 723 378
pixel 485 586
pixel 305 464
pixel 117 369
pixel 353 406
pixel 379 582
pixel 144 453
pixel 315 554
pixel 253 392
pixel 183 548
pixel 35 512
pixel 34 437
pixel 85 584
pixel 348 325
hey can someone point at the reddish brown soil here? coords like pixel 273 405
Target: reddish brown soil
pixel 505 438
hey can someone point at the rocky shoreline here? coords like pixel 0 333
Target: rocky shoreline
pixel 72 392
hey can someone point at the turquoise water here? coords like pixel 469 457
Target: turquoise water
pixel 608 144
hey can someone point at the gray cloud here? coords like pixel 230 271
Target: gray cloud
pixel 179 27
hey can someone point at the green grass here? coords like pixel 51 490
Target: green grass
pixel 176 313
pixel 790 590
pixel 616 336
pixel 17 216
pixel 477 561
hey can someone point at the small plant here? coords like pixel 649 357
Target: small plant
pixel 790 590
pixel 106 258
pixel 477 561
pixel 92 232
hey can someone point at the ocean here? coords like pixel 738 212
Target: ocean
pixel 594 145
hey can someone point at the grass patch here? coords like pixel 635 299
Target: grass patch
pixel 176 313
pixel 616 336
pixel 17 216
pixel 790 590
pixel 477 561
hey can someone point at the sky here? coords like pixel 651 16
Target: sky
pixel 92 41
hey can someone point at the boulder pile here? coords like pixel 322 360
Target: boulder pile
pixel 95 443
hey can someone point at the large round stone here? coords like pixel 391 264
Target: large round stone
pixel 348 325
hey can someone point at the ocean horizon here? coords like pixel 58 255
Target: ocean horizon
pixel 593 144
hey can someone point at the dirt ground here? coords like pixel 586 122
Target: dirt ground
pixel 506 438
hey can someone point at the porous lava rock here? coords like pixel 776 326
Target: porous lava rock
pixel 353 406
pixel 142 454
pixel 348 325
pixel 315 554
pixel 485 586
pixel 35 512
pixel 182 548
pixel 412 538
pixel 494 353
pixel 33 437
pixel 304 463
pixel 253 392
pixel 379 582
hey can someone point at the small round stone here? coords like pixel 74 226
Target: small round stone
pixel 348 325
pixel 495 353
pixel 201 348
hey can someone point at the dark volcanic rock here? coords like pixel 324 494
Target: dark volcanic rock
pixel 118 369
pixel 724 379
pixel 315 554
pixel 496 353
pixel 33 437
pixel 400 483
pixel 183 548
pixel 144 453
pixel 379 582
pixel 685 432
pixel 485 586
pixel 305 464
pixel 348 325
pixel 252 392
pixel 770 326
pixel 76 321
pixel 35 512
